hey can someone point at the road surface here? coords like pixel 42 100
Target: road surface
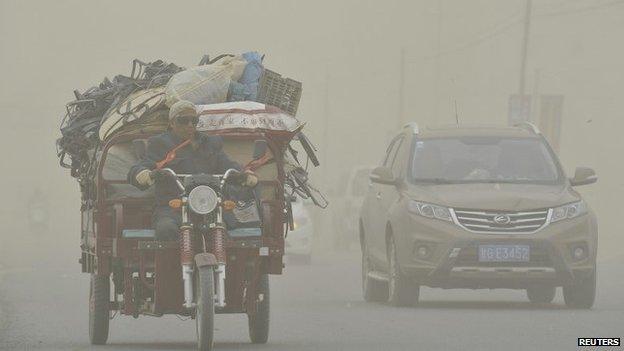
pixel 43 306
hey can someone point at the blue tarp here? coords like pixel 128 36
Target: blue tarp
pixel 246 89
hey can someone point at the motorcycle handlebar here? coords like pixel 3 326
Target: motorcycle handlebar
pixel 169 172
pixel 162 172
pixel 231 174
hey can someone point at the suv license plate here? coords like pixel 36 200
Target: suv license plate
pixel 504 253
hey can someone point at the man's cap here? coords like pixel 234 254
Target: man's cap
pixel 182 108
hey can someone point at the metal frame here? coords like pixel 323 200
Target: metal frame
pixel 108 244
pixel 413 126
pixel 528 126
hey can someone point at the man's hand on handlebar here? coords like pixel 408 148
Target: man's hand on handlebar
pixel 158 174
pixel 145 178
pixel 247 178
pixel 251 180
pixel 168 173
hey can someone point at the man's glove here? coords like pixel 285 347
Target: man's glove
pixel 144 178
pixel 251 180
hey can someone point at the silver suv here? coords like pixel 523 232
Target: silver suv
pixel 481 207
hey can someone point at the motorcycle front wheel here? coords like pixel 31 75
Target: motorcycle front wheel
pixel 204 319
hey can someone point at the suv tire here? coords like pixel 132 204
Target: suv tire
pixel 582 293
pixel 373 290
pixel 401 291
pixel 541 293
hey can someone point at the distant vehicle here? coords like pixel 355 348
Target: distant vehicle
pixel 479 207
pixel 38 213
pixel 347 205
pixel 299 241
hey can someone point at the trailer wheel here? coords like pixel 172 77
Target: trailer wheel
pixel 259 322
pixel 99 300
pixel 204 319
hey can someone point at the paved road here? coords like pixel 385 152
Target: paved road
pixel 43 305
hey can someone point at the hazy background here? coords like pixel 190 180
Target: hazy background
pixel 349 56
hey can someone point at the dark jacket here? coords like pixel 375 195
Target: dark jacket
pixel 206 156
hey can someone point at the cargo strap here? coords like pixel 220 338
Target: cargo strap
pixel 253 165
pixel 171 154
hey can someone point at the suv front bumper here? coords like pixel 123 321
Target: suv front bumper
pixel 452 255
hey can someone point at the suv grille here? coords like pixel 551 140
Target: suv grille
pixel 538 257
pixel 509 222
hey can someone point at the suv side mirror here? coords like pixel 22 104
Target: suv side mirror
pixel 383 175
pixel 583 176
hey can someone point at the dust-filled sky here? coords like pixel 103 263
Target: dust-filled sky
pixel 367 67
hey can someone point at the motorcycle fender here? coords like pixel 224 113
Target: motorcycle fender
pixel 205 259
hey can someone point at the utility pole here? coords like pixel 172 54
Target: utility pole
pixel 438 63
pixel 525 46
pixel 400 116
pixel 535 98
pixel 326 120
pixel 324 219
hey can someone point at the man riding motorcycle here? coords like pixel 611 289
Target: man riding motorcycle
pixel 185 151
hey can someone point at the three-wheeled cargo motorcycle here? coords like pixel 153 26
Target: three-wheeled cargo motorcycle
pixel 212 268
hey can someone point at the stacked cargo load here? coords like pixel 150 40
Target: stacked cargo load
pixel 140 103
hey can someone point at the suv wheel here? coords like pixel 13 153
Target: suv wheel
pixel 373 290
pixel 401 291
pixel 541 294
pixel 582 293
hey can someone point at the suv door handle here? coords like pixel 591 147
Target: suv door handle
pixel 378 196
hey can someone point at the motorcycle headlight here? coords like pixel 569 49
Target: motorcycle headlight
pixel 568 211
pixel 202 200
pixel 429 210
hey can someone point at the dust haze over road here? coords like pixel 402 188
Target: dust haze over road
pixel 367 67
pixel 317 307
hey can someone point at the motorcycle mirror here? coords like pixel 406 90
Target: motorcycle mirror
pixel 309 148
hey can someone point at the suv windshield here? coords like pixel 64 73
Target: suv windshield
pixel 483 160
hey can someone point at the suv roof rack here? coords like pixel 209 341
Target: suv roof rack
pixel 528 126
pixel 413 126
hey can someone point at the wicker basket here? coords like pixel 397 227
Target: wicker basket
pixel 280 92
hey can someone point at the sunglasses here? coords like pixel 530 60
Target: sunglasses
pixel 184 120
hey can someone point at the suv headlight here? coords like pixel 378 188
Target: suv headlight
pixel 429 210
pixel 568 211
pixel 202 199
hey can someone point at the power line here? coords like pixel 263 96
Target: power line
pixel 582 9
pixel 509 23
pixel 493 32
